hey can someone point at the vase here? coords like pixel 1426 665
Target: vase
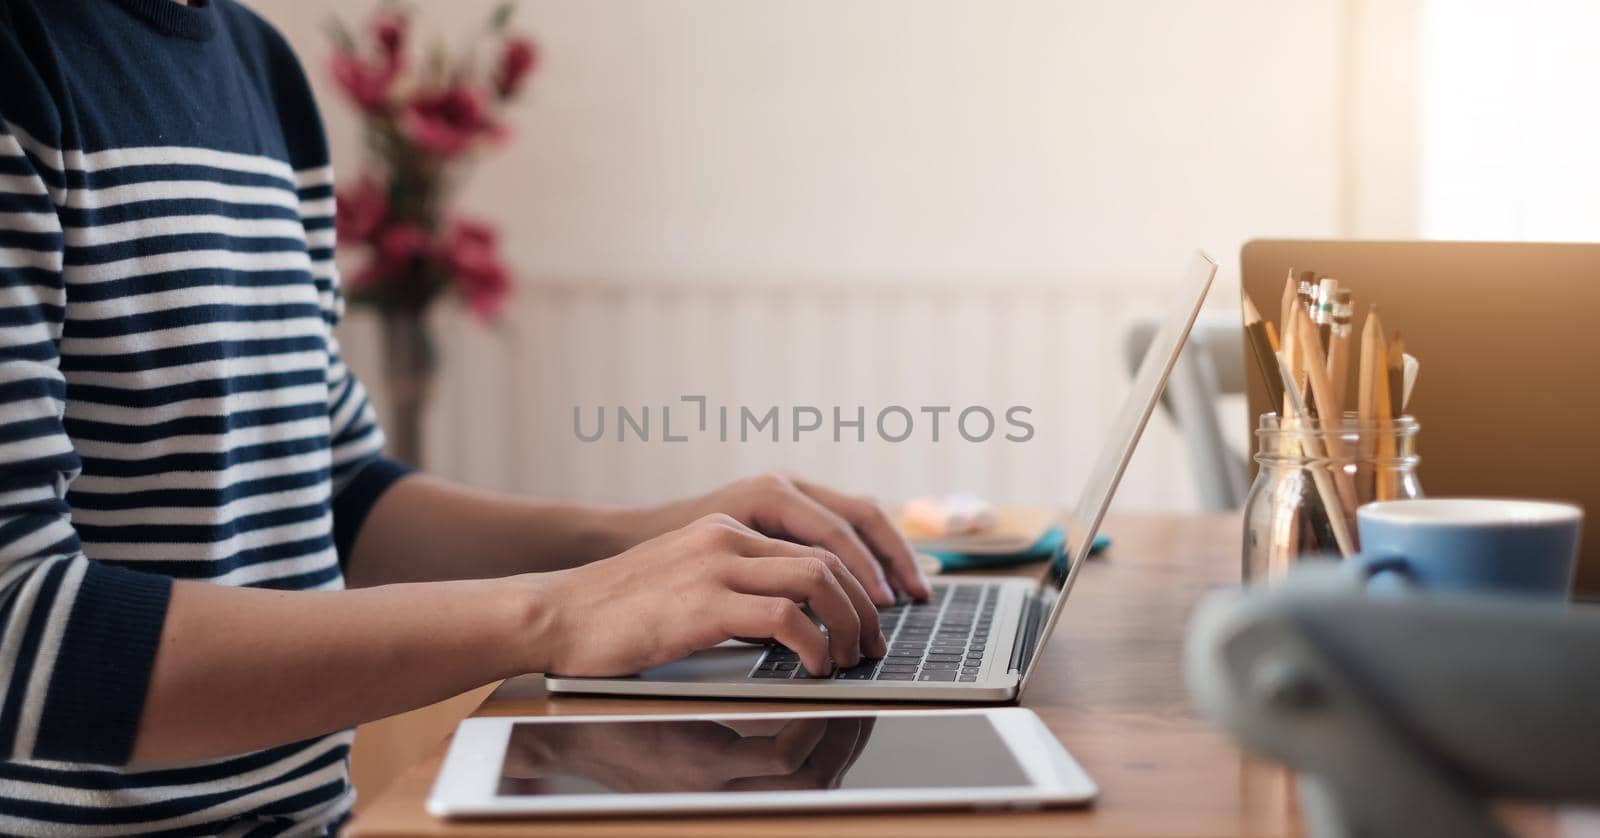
pixel 408 366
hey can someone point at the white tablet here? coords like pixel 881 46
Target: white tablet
pixel 834 760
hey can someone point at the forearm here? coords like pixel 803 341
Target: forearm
pixel 240 669
pixel 427 529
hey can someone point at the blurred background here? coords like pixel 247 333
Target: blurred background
pixel 923 202
pixel 927 202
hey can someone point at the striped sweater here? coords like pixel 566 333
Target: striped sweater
pixel 172 401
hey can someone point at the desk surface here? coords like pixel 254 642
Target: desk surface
pixel 1110 687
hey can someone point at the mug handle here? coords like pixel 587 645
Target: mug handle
pixel 1391 572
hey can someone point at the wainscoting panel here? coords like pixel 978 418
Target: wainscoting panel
pixel 503 411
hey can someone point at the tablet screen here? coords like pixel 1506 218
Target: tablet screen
pixel 757 754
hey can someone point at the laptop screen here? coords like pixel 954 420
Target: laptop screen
pixel 1117 448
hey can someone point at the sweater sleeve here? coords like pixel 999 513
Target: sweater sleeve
pixel 361 474
pixel 77 637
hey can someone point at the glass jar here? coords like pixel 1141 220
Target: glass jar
pixel 1305 473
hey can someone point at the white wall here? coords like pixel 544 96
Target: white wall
pixel 906 139
pixel 903 142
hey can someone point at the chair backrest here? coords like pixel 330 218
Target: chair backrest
pixel 1506 334
pixel 1210 367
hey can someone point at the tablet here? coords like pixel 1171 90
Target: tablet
pixel 834 760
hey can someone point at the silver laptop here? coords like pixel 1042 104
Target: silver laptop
pixel 978 637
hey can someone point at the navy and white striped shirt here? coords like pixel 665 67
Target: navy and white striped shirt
pixel 172 401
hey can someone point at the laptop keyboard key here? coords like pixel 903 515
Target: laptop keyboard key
pixel 937 676
pixel 771 673
pixel 896 676
pixel 968 678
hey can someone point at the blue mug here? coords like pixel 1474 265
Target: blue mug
pixel 1472 545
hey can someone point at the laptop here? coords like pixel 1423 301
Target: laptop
pixel 977 638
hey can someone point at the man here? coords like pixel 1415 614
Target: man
pixel 208 573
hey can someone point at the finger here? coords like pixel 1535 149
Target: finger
pixel 746 615
pixel 802 518
pixel 879 533
pixel 864 734
pixel 834 752
pixel 777 755
pixel 807 580
pixel 747 727
pixel 873 643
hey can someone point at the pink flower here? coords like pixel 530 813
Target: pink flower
pixel 360 210
pixel 389 28
pixel 472 254
pixel 366 83
pixel 398 248
pixel 447 122
pixel 517 60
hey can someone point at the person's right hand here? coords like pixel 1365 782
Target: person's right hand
pixel 698 586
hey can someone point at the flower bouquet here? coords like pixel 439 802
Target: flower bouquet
pixel 422 122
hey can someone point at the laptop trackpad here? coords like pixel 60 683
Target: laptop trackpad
pixel 730 662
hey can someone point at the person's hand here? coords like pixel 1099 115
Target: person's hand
pixel 688 756
pixel 698 586
pixel 853 528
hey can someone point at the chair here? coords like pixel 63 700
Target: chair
pixel 1403 713
pixel 1211 366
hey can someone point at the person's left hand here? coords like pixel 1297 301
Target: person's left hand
pixel 783 506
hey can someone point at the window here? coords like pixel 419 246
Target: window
pixel 1510 120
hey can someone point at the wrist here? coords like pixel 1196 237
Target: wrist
pixel 633 526
pixel 525 614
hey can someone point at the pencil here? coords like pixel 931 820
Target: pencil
pixel 1322 316
pixel 1332 421
pixel 1286 308
pixel 1308 440
pixel 1291 357
pixel 1371 336
pixel 1262 346
pixel 1339 346
pixel 1383 419
pixel 1396 377
pixel 1368 374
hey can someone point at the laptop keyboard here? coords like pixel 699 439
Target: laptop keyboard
pixel 943 639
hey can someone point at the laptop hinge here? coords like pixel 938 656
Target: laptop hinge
pixel 1027 636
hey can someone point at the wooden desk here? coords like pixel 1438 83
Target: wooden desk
pixel 1110 686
